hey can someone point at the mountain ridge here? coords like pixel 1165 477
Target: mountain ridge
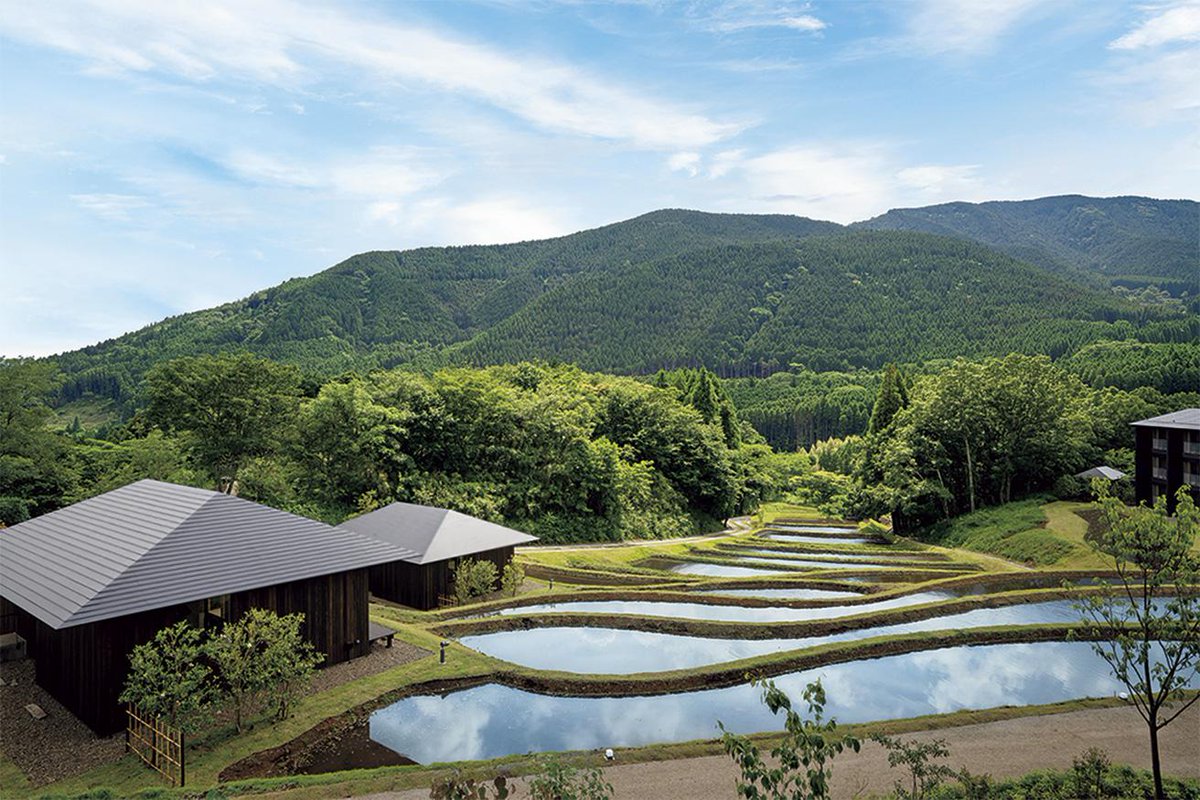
pixel 572 296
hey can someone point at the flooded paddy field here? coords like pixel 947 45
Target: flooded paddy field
pixel 492 720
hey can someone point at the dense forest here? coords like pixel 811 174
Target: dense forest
pixel 1124 241
pixel 743 295
pixel 554 450
pixel 572 455
pixel 969 434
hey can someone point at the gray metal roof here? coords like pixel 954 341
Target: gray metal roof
pixel 1187 419
pixel 152 544
pixel 436 534
pixel 1101 472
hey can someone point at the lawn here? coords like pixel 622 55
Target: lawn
pixel 1031 532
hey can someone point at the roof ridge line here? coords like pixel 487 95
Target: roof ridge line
pixel 133 564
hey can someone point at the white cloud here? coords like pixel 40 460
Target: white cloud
pixel 290 45
pixel 963 27
pixel 267 169
pixel 742 15
pixel 1155 71
pixel 493 220
pixel 112 207
pixel 379 172
pixel 685 162
pixel 818 181
pixel 844 182
pixel 725 161
pixel 804 22
pixel 1176 23
pixel 940 179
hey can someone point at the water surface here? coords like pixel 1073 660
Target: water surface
pixel 813 528
pixel 783 593
pixel 722 570
pixel 609 651
pixel 795 537
pixel 661 608
pixel 492 720
pixel 797 554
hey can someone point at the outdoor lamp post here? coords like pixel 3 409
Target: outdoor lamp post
pixel 445 644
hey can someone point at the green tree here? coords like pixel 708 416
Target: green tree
pixel 348 443
pixel 978 433
pixel 556 780
pixel 231 407
pixel 239 652
pixel 891 399
pixel 33 476
pixel 1149 630
pixel 917 757
pixel 169 678
pixel 289 661
pixel 512 578
pixel 472 579
pixel 802 755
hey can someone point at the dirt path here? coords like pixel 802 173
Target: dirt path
pixel 1004 749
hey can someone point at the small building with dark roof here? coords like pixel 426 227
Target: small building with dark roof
pixel 1167 456
pixel 84 584
pixel 441 539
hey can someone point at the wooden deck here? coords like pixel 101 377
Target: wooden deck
pixel 381 633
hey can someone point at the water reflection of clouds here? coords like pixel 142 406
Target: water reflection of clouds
pixel 725 613
pixel 609 651
pixel 492 720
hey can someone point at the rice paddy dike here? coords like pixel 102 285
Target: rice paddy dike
pixel 851 598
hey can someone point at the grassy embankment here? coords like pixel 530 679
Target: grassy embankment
pixel 1031 532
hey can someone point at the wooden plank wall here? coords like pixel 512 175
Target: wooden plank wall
pixel 84 667
pixel 335 609
pixel 423 586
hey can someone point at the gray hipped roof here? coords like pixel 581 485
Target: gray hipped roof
pixel 152 544
pixel 1103 471
pixel 1187 419
pixel 436 534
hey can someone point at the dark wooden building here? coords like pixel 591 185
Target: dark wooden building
pixel 85 584
pixel 440 540
pixel 1167 456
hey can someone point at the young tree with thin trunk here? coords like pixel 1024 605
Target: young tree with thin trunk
pixel 801 770
pixel 240 654
pixel 168 678
pixel 1149 629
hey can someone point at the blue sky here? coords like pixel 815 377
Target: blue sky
pixel 161 157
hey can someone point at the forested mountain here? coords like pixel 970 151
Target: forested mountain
pixel 742 294
pixel 379 309
pixel 1127 241
pixel 853 300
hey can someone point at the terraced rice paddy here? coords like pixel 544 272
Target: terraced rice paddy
pixel 622 669
pixel 607 651
pixel 494 720
pixel 728 613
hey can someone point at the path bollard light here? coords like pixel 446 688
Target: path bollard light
pixel 552 584
pixel 445 644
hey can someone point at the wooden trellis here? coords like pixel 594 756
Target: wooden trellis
pixel 158 744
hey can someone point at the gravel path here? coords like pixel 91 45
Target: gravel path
pixel 58 746
pixel 1004 749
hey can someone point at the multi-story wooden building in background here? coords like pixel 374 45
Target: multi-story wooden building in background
pixel 1167 456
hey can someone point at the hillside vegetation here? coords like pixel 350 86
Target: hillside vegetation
pixel 1126 241
pixel 745 295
